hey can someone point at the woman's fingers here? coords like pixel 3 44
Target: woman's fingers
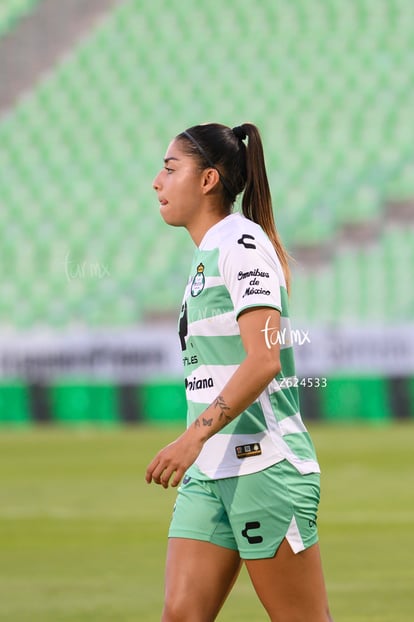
pixel 174 460
pixel 160 471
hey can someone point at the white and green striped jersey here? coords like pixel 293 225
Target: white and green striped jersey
pixel 236 268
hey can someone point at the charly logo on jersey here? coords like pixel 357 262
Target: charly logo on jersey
pixel 199 281
pixel 244 237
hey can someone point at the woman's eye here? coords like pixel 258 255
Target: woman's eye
pixel 169 170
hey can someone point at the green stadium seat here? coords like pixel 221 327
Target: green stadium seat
pixel 401 186
pixel 81 150
pixel 11 11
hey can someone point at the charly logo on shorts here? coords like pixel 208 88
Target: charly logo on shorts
pixel 199 281
pixel 249 527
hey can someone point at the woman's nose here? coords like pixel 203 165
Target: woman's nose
pixel 156 183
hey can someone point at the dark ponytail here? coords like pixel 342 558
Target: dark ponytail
pixel 240 166
pixel 257 200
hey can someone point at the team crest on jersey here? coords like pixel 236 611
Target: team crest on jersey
pixel 199 281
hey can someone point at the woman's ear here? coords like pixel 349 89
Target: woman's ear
pixel 210 180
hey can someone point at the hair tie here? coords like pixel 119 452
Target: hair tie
pixel 239 132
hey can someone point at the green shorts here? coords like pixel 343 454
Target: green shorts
pixel 252 513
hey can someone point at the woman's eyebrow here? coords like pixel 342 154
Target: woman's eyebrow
pixel 166 160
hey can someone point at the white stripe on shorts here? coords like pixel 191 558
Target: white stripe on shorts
pixel 294 538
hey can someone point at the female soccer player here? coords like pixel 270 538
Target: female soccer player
pixel 250 478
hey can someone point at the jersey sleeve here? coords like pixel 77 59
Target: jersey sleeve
pixel 250 272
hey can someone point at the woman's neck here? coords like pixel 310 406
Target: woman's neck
pixel 199 228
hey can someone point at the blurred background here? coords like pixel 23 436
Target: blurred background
pixel 91 93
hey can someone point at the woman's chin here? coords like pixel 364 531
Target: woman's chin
pixel 169 218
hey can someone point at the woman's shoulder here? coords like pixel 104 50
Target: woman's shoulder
pixel 241 234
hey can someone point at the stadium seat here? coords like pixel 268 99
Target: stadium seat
pixel 401 186
pixel 331 86
pixel 11 11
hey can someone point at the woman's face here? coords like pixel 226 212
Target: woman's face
pixel 179 187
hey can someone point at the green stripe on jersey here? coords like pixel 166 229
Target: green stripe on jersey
pixel 287 363
pixel 251 421
pixel 301 445
pixel 223 350
pixel 284 299
pixel 285 403
pixel 214 302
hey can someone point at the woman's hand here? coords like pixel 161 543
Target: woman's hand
pixel 175 459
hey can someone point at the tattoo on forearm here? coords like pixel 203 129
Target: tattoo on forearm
pixel 206 422
pixel 223 417
pixel 220 403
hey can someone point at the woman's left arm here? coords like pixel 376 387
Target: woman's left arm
pixel 259 327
